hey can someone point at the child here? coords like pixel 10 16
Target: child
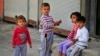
pixel 63 46
pixel 47 25
pixel 21 37
pixel 81 38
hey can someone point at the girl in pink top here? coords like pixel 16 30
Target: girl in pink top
pixel 63 46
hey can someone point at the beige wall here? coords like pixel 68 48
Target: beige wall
pixel 15 7
pixel 61 9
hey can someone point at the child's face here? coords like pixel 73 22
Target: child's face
pixel 45 10
pixel 73 19
pixel 21 23
pixel 80 24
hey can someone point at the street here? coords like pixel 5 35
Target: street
pixel 6 31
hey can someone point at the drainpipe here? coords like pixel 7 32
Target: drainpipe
pixel 28 9
pixel 39 12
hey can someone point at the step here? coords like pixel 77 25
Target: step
pixel 90 52
pixel 93 49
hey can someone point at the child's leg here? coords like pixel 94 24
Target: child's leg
pixel 62 47
pixel 24 50
pixel 16 51
pixel 69 50
pixel 49 43
pixel 66 46
pixel 42 51
pixel 76 51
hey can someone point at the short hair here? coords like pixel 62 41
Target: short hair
pixel 45 5
pixel 81 18
pixel 78 14
pixel 20 17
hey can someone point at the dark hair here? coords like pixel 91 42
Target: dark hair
pixel 76 14
pixel 45 5
pixel 81 18
pixel 20 17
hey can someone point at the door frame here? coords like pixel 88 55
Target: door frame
pixel 90 13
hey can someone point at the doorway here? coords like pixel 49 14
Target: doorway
pixel 98 18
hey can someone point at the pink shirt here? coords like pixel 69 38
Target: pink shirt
pixel 73 32
pixel 21 36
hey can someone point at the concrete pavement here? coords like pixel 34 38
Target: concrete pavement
pixel 5 41
pixel 6 50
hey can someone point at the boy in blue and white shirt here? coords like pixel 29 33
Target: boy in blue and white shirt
pixel 81 39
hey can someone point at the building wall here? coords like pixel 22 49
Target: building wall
pixel 61 9
pixel 1 7
pixel 15 7
pixel 33 9
pixel 28 8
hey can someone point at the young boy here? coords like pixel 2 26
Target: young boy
pixel 47 25
pixel 81 39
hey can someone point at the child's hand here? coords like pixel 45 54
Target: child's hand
pixel 13 46
pixel 30 46
pixel 60 21
pixel 71 44
pixel 57 23
pixel 74 40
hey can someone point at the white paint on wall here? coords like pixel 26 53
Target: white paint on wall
pixel 33 9
pixel 15 7
pixel 61 9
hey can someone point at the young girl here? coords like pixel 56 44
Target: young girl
pixel 20 37
pixel 63 46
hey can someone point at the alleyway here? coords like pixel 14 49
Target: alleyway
pixel 5 41
pixel 6 50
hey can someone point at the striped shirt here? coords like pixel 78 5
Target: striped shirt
pixel 47 23
pixel 73 32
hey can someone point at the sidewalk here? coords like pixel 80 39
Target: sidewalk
pixel 5 41
pixel 93 48
pixel 6 50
